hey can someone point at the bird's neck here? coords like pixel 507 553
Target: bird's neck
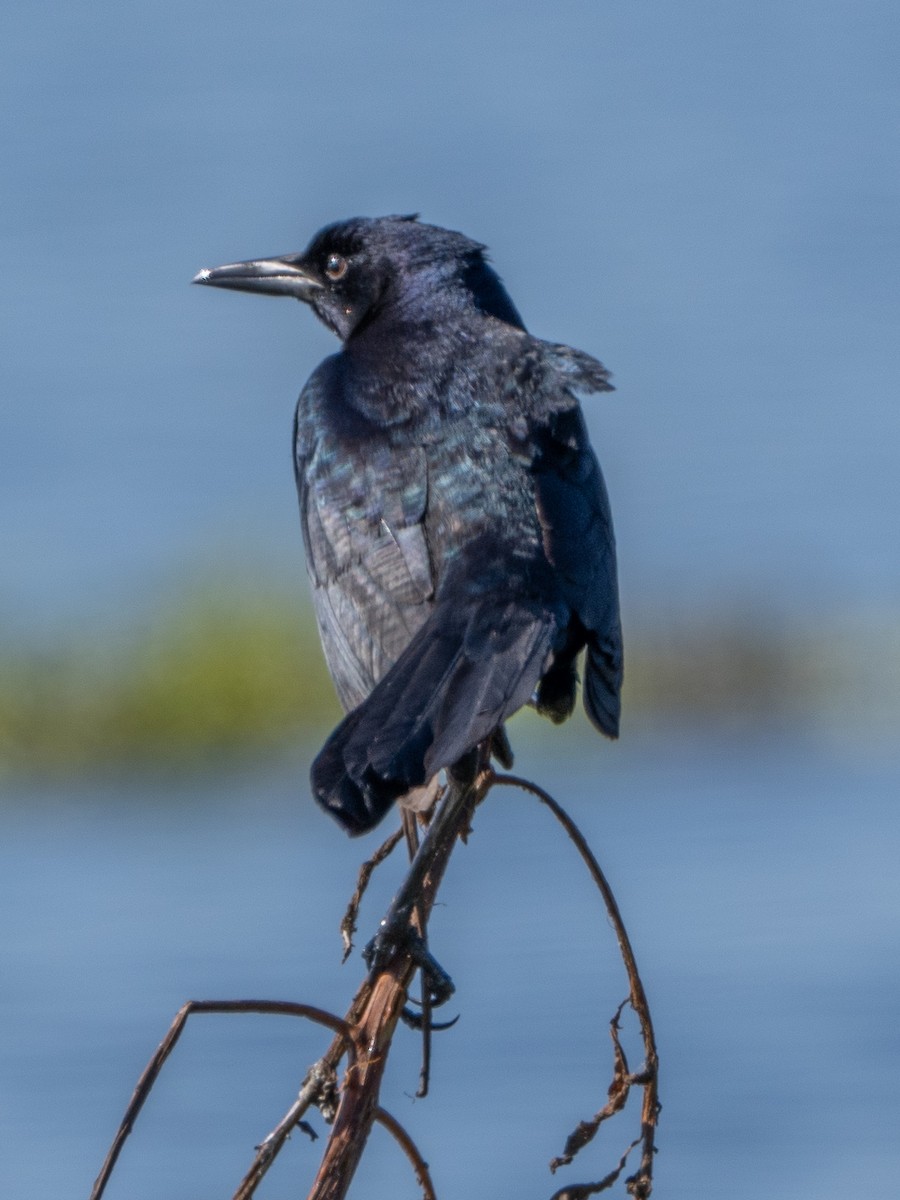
pixel 401 368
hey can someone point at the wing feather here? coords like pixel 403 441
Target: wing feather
pixel 366 550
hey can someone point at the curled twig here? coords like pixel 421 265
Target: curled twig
pixel 579 1191
pixel 618 1091
pixel 640 1185
pixel 410 1149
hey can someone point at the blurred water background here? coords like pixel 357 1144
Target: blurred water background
pixel 706 197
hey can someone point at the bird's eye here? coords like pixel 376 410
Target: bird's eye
pixel 336 266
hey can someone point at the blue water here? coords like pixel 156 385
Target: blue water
pixel 758 881
pixel 705 196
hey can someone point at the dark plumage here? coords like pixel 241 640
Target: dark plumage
pixel 457 528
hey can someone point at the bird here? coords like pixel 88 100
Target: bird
pixel 456 523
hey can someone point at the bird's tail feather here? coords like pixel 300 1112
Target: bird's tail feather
pixel 460 677
pixel 603 684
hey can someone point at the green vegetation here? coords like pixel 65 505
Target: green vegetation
pixel 218 675
pixel 224 674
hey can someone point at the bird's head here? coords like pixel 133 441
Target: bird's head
pixel 354 271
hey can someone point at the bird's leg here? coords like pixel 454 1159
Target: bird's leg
pixel 420 1021
pixel 398 927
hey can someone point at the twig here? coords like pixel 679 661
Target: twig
pixel 348 922
pixel 409 1148
pixel 579 1191
pixel 167 1045
pixel 639 1185
pixel 319 1089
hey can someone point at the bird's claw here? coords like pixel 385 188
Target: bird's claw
pixel 436 983
pixel 419 1021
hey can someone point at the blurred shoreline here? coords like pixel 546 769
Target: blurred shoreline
pixel 224 673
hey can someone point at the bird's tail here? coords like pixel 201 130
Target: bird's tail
pixel 467 669
pixel 603 683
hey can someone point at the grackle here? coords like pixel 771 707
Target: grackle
pixel 457 528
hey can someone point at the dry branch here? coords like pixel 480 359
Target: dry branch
pixel 167 1045
pixel 377 1007
pixel 364 1036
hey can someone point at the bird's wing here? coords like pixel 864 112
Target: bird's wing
pixel 362 514
pixel 504 611
pixel 473 664
pixel 573 508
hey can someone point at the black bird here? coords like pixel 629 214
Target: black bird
pixel 457 528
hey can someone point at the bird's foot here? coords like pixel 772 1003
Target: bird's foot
pixel 398 934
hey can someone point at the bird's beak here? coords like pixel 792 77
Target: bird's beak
pixel 274 276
